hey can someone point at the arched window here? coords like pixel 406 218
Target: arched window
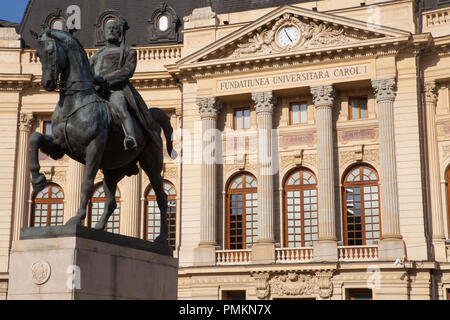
pixel 300 209
pixel 361 207
pixel 48 207
pixel 96 207
pixel 242 212
pixel 153 216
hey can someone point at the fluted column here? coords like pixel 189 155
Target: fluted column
pixel 22 188
pixel 264 105
pixel 209 109
pixel 391 244
pixel 73 191
pixel 326 247
pixel 131 209
pixel 437 218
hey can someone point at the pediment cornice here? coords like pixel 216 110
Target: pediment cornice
pixel 319 34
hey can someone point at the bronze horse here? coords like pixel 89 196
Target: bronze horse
pixel 83 128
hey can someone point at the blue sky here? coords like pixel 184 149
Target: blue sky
pixel 12 10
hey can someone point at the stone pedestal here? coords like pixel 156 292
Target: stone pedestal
pixel 78 263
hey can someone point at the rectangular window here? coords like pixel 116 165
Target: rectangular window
pixel 233 295
pixel 241 119
pixel 359 294
pixel 298 113
pixel 47 127
pixel 357 108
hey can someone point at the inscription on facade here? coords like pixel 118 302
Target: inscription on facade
pixel 295 140
pixel 294 78
pixel 358 135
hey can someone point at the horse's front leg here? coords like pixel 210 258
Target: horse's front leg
pixel 46 144
pixel 94 154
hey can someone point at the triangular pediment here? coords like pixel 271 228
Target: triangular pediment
pixel 309 30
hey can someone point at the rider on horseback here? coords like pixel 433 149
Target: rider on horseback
pixel 112 67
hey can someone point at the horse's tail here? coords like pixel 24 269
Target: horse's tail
pixel 164 121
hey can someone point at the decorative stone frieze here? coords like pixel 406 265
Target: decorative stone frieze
pixel 293 284
pixel 312 35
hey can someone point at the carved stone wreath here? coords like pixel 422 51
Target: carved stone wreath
pixel 294 284
pixel 311 35
pixel 40 272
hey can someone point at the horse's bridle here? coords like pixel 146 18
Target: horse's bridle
pixel 64 86
pixel 50 57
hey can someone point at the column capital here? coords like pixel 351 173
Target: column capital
pixel 323 96
pixel 25 121
pixel 430 90
pixel 385 89
pixel 264 101
pixel 209 107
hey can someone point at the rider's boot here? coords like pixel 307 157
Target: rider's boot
pixel 129 143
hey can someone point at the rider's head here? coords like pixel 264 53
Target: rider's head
pixel 112 31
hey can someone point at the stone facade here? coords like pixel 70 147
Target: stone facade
pixel 228 62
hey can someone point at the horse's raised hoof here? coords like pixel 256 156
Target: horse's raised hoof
pixel 39 183
pixel 74 221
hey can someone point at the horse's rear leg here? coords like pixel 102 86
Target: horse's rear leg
pixel 94 155
pixel 151 162
pixel 109 186
pixel 45 143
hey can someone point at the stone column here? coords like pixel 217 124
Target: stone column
pixel 391 245
pixel 131 206
pixel 205 253
pixel 22 189
pixel 264 250
pixel 437 218
pixel 326 248
pixel 73 192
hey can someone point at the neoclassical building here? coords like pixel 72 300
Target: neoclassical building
pixel 313 141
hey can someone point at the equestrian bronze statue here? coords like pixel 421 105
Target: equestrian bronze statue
pixel 100 120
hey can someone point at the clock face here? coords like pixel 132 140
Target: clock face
pixel 288 36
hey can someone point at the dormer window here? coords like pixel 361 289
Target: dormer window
pixel 163 22
pixel 56 20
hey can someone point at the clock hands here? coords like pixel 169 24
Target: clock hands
pixel 288 35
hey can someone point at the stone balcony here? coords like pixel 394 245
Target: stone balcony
pixel 298 255
pixel 150 59
pixel 437 22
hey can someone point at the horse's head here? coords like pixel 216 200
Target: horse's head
pixel 53 59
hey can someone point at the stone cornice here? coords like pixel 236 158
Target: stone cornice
pixel 301 58
pixel 153 80
pixel 15 82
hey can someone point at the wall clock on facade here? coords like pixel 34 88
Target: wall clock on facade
pixel 288 36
